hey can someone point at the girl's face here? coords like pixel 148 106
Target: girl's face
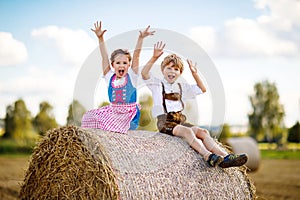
pixel 171 73
pixel 121 65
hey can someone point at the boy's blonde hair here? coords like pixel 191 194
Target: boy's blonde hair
pixel 174 59
pixel 120 51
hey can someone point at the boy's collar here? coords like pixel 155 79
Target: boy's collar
pixel 166 82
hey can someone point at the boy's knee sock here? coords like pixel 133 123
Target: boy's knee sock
pixel 212 146
pixel 200 148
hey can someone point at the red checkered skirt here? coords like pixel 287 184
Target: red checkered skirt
pixel 114 117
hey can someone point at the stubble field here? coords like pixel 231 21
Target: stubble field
pixel 275 179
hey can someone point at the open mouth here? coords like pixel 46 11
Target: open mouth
pixel 171 77
pixel 121 72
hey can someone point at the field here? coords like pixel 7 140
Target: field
pixel 275 179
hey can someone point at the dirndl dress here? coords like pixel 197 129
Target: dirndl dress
pixel 121 115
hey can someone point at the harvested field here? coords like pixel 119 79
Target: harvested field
pixel 275 179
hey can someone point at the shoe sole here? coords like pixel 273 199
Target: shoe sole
pixel 235 163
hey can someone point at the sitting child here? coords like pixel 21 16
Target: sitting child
pixel 123 113
pixel 168 106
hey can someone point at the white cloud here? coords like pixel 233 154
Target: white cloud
pixel 283 9
pixel 248 37
pixel 272 35
pixel 205 36
pixel 42 82
pixel 37 85
pixel 73 45
pixel 12 51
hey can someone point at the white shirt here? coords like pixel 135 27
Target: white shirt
pixel 155 86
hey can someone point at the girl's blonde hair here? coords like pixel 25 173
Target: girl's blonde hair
pixel 120 51
pixel 176 60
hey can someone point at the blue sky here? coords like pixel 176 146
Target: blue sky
pixel 44 43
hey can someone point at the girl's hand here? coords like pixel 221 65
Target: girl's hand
pixel 158 49
pixel 98 31
pixel 193 68
pixel 146 32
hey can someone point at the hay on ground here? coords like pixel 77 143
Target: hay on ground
pixel 76 163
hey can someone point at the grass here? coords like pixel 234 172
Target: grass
pixel 273 146
pixel 9 146
pixel 280 154
pixel 290 151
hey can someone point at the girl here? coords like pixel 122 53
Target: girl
pixel 123 113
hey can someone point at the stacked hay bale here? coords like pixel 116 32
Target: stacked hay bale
pixel 75 163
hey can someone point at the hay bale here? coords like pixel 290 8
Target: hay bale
pixel 62 167
pixel 246 145
pixel 75 163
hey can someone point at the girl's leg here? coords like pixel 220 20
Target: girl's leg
pixel 208 141
pixel 188 134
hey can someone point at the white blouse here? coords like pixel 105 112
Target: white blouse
pixel 133 77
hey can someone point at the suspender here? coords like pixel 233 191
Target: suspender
pixel 164 94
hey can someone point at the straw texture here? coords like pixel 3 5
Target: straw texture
pixel 62 167
pixel 97 164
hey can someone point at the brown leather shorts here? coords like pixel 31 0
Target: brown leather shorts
pixel 167 122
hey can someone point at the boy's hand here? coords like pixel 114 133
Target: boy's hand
pixel 192 67
pixel 98 31
pixel 158 49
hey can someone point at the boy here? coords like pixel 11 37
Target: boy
pixel 168 106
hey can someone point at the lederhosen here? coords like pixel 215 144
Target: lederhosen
pixel 167 121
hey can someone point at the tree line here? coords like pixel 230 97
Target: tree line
pixel 265 119
pixel 19 124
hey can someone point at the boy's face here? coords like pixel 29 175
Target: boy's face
pixel 121 65
pixel 171 73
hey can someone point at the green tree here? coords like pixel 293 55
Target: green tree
pixel 105 103
pixel 18 123
pixel 75 113
pixel 9 122
pixel 266 117
pixel 44 120
pixel 225 133
pixel 294 133
pixel 147 122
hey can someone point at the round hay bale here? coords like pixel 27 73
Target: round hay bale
pixel 246 145
pixel 76 163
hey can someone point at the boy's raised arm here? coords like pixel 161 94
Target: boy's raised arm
pixel 99 33
pixel 196 76
pixel 157 52
pixel 138 48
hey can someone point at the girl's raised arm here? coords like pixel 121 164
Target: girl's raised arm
pixel 103 51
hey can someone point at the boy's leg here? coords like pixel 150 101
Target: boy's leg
pixel 208 141
pixel 230 160
pixel 187 134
